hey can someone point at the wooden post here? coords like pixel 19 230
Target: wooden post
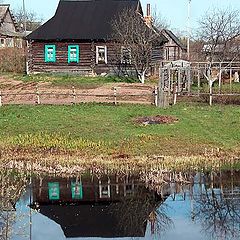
pixel 74 94
pixel 161 88
pixel 220 78
pixel 175 94
pixel 189 79
pixel 169 80
pixel 0 99
pixel 199 79
pixel 179 79
pixel 210 92
pixel 38 96
pixel 115 95
pixel 230 80
pixel 156 96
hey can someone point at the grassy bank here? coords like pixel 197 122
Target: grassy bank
pixel 92 129
pixel 66 80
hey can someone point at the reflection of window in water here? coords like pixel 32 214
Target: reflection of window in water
pixel 1 228
pixel 128 187
pixel 53 191
pixel 104 189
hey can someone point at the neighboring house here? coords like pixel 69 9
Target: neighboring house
pixel 173 49
pixel 9 33
pixel 78 38
pixel 222 52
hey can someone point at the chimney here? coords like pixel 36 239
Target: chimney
pixel 148 10
pixel 148 18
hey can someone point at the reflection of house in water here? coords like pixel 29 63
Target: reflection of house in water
pixel 90 207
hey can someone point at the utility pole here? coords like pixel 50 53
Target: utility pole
pixel 189 29
pixel 25 19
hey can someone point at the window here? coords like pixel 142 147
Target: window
pixel 53 191
pixel 125 55
pixel 50 53
pixel 77 190
pixel 2 42
pixel 73 54
pixel 104 190
pixel 9 42
pixel 101 54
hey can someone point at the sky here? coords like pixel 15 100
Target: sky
pixel 174 11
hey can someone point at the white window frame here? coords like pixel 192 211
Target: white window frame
pixel 9 42
pixel 97 54
pixel 102 193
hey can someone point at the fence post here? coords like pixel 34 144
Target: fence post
pixel 74 95
pixel 115 95
pixel 175 94
pixel 156 96
pixel 38 96
pixel 199 79
pixel 0 99
pixel 231 75
pixel 220 78
pixel 210 92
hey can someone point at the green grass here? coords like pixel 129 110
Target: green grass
pixel 107 129
pixel 66 80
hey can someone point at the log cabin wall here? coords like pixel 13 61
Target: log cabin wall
pixel 172 51
pixel 87 58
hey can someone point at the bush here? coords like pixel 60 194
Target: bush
pixel 12 60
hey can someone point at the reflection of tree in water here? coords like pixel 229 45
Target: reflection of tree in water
pixel 141 207
pixel 11 188
pixel 219 213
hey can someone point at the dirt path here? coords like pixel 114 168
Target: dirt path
pixel 18 92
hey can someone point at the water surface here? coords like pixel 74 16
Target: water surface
pixel 120 207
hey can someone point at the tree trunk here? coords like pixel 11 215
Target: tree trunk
pixel 141 76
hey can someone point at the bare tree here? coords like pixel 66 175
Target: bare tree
pixel 33 21
pixel 219 29
pixel 219 214
pixel 133 34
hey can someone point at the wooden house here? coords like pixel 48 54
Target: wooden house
pixel 174 49
pixel 9 32
pixel 79 38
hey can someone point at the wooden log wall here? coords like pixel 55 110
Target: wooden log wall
pixel 87 58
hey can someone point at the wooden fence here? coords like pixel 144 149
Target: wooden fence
pixel 180 79
pixel 148 95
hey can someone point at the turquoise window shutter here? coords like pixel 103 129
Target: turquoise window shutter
pixel 50 53
pixel 73 53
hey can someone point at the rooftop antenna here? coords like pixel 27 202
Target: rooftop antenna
pixel 189 29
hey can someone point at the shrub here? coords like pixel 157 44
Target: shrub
pixel 12 60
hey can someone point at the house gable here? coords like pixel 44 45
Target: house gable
pixel 7 21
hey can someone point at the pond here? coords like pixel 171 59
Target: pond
pixel 120 207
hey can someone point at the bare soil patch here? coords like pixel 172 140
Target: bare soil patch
pixel 18 92
pixel 159 119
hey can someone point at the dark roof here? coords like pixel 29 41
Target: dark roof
pixel 83 20
pixel 175 39
pixel 104 221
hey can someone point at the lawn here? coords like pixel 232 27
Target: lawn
pixel 105 129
